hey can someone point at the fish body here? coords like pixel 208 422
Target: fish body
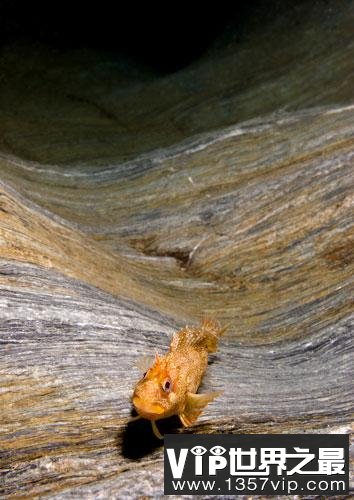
pixel 169 387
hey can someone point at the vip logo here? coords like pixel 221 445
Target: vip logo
pixel 243 462
pixel 256 464
pixel 215 461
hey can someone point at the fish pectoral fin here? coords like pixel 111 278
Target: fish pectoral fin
pixel 133 419
pixel 155 430
pixel 195 404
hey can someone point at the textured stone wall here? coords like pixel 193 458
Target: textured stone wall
pixel 132 204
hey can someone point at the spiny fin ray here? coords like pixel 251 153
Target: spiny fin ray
pixel 206 335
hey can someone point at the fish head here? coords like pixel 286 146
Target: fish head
pixel 154 396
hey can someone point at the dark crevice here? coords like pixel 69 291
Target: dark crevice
pixel 162 38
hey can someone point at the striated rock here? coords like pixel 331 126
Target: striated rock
pixel 132 204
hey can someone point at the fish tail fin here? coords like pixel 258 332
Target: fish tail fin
pixel 206 335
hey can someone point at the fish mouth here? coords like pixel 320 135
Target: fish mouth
pixel 151 411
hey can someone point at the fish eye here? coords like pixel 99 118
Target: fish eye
pixel 166 386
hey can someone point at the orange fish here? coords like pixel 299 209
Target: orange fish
pixel 169 386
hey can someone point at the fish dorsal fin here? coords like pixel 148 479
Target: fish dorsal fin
pixel 195 404
pixel 145 362
pixel 183 338
pixel 206 336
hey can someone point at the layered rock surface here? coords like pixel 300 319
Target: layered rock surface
pixel 132 204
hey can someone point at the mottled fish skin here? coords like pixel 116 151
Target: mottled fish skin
pixel 169 386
